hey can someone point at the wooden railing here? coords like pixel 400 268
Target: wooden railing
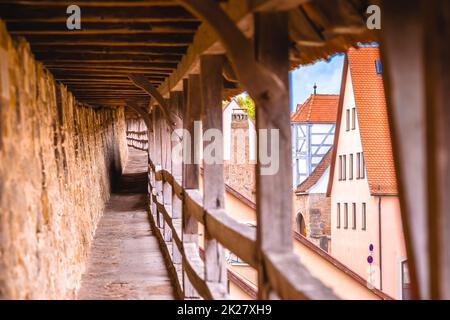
pixel 177 206
pixel 137 134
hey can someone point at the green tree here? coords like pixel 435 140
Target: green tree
pixel 247 104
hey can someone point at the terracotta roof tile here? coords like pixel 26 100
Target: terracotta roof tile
pixel 317 108
pixel 373 120
pixel 316 174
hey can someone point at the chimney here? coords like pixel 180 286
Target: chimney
pixel 239 137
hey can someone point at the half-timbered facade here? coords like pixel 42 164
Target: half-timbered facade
pixel 313 125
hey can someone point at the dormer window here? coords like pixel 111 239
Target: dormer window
pixel 378 66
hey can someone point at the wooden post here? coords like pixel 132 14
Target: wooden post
pixel 274 191
pixel 415 53
pixel 176 102
pixel 166 131
pixel 151 152
pixel 190 170
pixel 213 177
pixel 157 162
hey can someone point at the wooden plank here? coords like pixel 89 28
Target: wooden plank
pixel 237 237
pixel 100 27
pixel 55 49
pixel 111 64
pixel 213 176
pixel 17 12
pixel 47 57
pixel 291 280
pixel 274 191
pixel 89 3
pixel 134 39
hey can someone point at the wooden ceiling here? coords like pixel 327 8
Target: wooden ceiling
pixel 117 38
pixel 151 37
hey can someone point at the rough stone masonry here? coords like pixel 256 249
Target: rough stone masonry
pixel 57 160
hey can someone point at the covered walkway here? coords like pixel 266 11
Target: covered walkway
pixel 65 97
pixel 125 261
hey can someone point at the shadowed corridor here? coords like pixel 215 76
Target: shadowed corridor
pixel 125 261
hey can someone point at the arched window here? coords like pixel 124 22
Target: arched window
pixel 301 225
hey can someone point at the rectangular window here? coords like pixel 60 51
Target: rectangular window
pixel 363 166
pixel 345 215
pixel 344 167
pixel 338 216
pixel 358 165
pixel 350 167
pixel 363 216
pixel 347 119
pixel 378 67
pixel 340 168
pixel 353 118
pixel 353 215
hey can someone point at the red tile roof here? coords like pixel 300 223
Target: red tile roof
pixel 316 174
pixel 372 118
pixel 317 108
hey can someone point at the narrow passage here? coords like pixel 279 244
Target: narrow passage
pixel 125 261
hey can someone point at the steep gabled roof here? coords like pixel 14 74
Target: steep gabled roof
pixel 318 172
pixel 317 108
pixel 372 118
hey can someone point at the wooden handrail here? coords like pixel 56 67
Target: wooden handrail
pixel 286 273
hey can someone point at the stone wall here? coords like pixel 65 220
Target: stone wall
pixel 239 172
pixel 57 159
pixel 315 209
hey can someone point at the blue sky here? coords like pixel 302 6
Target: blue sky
pixel 326 74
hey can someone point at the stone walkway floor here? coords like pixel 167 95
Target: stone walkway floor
pixel 125 261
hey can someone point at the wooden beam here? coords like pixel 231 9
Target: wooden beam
pixel 213 177
pixel 274 190
pixel 302 30
pixel 254 76
pixel 100 27
pixel 275 5
pixel 437 53
pixel 402 57
pixel 415 59
pixel 134 39
pixel 89 3
pixel 104 57
pixel 17 12
pixel 131 49
pixel 111 65
pixel 144 84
